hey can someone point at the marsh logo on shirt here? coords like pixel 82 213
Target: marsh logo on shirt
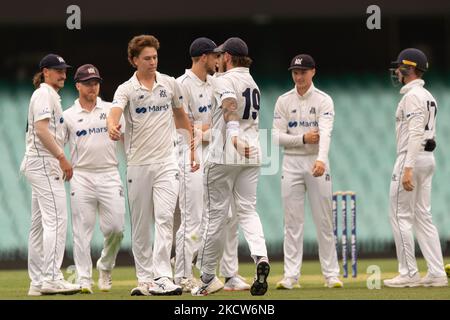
pixel 142 110
pixel 293 124
pixel 308 123
pixel 81 133
pixel 202 109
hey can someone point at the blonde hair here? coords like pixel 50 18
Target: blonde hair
pixel 38 79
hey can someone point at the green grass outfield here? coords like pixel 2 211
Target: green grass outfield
pixel 14 285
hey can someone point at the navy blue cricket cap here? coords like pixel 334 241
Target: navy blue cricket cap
pixel 234 46
pixel 202 46
pixel 302 61
pixel 53 61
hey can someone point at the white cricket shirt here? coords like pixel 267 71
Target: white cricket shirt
pixel 415 120
pixel 87 135
pixel 197 99
pixel 149 130
pixel 295 115
pixel 235 83
pixel 45 103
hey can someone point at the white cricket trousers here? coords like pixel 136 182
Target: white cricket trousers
pixel 296 180
pixel 188 236
pixel 411 211
pixel 152 196
pixel 92 191
pixel 47 238
pixel 229 264
pixel 223 185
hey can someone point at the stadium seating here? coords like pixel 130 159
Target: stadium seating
pixel 362 156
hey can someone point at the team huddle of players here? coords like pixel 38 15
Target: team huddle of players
pixel 195 140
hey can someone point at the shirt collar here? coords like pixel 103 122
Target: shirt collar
pixel 199 81
pixel 52 90
pixel 412 84
pixel 307 93
pixel 238 69
pixel 137 85
pixel 79 108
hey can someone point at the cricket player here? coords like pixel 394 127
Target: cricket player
pixel 46 168
pixel 96 183
pixel 196 84
pixel 232 168
pixel 410 192
pixel 302 124
pixel 150 102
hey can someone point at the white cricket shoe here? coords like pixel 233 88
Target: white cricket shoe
pixel 203 289
pixel 104 280
pixel 236 283
pixel 431 281
pixel 333 282
pixel 142 289
pixel 186 284
pixel 59 286
pixel 288 284
pixel 34 291
pixel 165 287
pixel 403 281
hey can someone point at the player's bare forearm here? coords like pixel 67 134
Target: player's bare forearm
pixel 46 138
pixel 114 116
pixel 229 107
pixel 112 123
pixel 205 127
pixel 182 121
pixel 50 144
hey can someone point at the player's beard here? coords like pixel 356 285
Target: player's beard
pixel 224 67
pixel 90 97
pixel 210 71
